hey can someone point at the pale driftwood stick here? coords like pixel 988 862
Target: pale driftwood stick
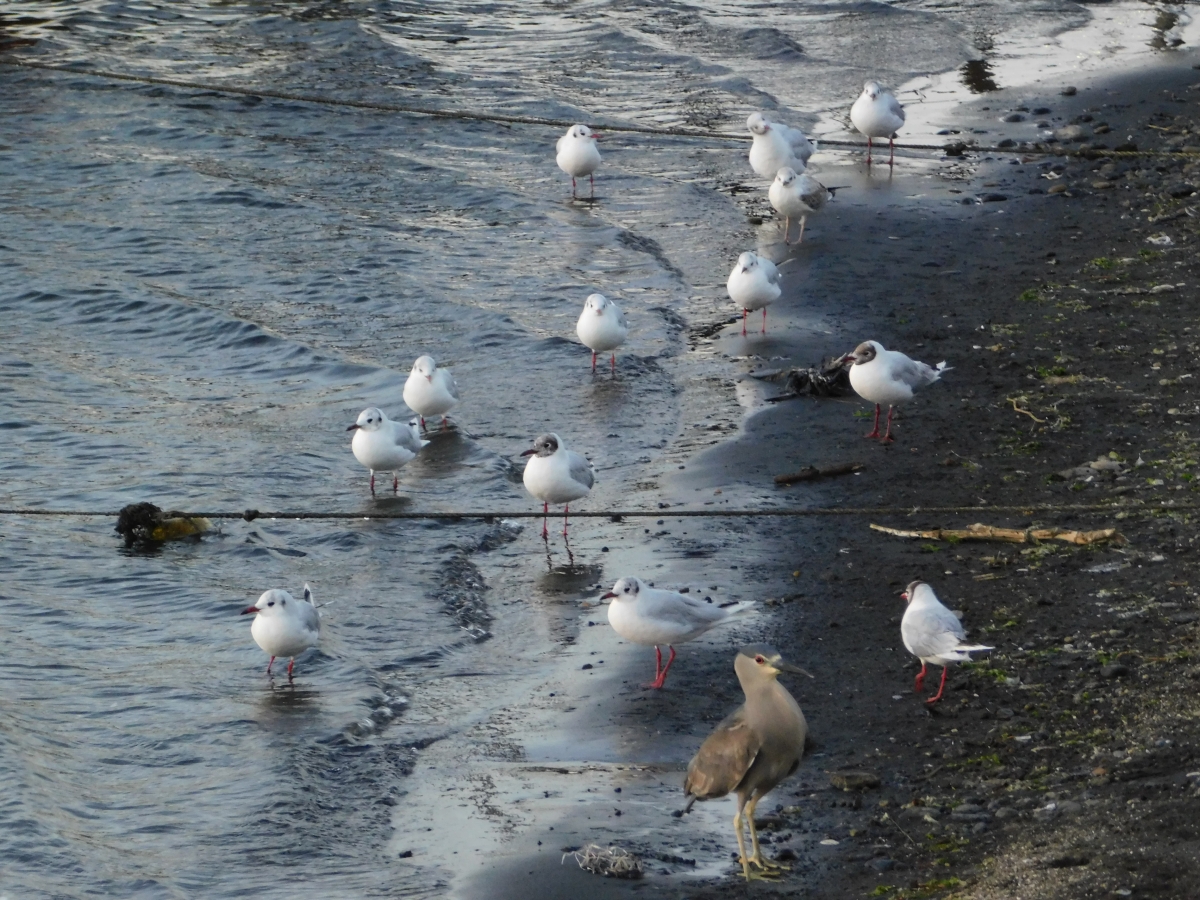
pixel 808 473
pixel 978 532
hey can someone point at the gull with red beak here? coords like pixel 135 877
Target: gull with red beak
pixel 753 284
pixel 430 391
pixel 933 634
pixel 653 617
pixel 577 155
pixel 877 114
pixel 776 146
pixel 284 626
pixel 887 376
pixel 555 474
pixel 383 445
pixel 602 327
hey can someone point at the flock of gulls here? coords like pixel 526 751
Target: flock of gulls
pixel 761 742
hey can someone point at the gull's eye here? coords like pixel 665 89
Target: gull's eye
pixel 272 603
pixel 759 660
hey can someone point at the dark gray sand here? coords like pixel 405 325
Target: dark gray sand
pixel 1065 763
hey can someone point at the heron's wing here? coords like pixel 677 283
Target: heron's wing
pixel 724 759
pixel 895 107
pixel 581 470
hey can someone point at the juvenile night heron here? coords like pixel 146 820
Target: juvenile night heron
pixel 754 748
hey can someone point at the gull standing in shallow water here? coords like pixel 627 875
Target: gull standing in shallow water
pixel 383 445
pixel 652 617
pixel 284 626
pixel 877 114
pixel 887 376
pixel 757 746
pixel 797 196
pixel 776 146
pixel 430 391
pixel 555 474
pixel 602 327
pixel 753 284
pixel 933 634
pixel 577 155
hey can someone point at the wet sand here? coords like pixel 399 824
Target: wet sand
pixel 1059 766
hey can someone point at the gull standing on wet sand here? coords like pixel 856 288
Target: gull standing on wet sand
pixel 776 146
pixel 887 376
pixel 430 391
pixel 602 327
pixel 556 475
pixel 578 155
pixel 753 284
pixel 757 746
pixel 652 617
pixel 933 634
pixel 797 196
pixel 877 114
pixel 284 626
pixel 383 445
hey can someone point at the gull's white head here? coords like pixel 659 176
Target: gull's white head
pixel 274 602
pixel 757 123
pixel 747 261
pixel 597 303
pixel 786 175
pixel 425 366
pixel 370 419
pixel 872 89
pixel 625 590
pixel 582 131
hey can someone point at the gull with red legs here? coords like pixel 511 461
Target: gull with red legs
pixel 933 634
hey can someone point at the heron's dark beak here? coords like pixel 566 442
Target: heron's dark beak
pixel 249 609
pixel 609 596
pixel 530 451
pixel 788 667
pixel 352 427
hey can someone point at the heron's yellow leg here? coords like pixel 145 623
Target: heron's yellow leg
pixel 737 829
pixel 757 858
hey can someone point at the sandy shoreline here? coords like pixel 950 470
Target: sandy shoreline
pixel 949 284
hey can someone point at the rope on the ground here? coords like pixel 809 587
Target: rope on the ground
pixel 666 513
pixel 953 148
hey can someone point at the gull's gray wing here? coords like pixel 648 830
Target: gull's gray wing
pixel 581 470
pixel 769 269
pixel 896 108
pixel 406 436
pixel 621 318
pixel 451 384
pixel 816 196
pixel 309 617
pixel 912 372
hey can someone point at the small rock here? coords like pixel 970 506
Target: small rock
pixel 1058 189
pixel 1183 618
pixel 993 198
pixel 1102 185
pixel 1183 189
pixel 1114 670
pixel 1126 148
pixel 1070 91
pixel 1041 111
pixel 1067 860
pixel 1070 133
pixel 1013 117
pixel 1004 713
pixel 407 854
pixel 1070 808
pixel 1006 812
pixel 854 780
pixel 787 854
pixel 587 665
pixel 1101 129
pixel 883 864
pixel 1006 143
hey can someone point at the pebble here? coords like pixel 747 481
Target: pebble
pixel 1057 189
pixel 1070 133
pixel 1114 670
pixel 1102 185
pixel 883 864
pixel 1070 91
pixel 1013 117
pixel 993 198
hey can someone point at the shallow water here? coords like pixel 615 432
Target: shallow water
pixel 200 292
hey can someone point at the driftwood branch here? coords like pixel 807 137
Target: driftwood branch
pixel 978 532
pixel 809 473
